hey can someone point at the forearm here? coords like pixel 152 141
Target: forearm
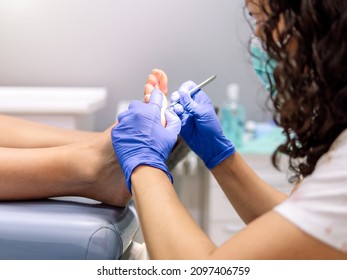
pixel 20 133
pixel 168 229
pixel 247 192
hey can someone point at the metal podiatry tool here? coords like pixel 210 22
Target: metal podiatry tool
pixel 196 89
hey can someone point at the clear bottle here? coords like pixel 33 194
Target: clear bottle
pixel 232 116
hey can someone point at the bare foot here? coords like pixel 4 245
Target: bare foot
pixel 108 181
pixel 105 176
pixel 157 79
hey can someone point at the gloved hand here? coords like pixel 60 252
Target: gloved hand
pixel 141 139
pixel 201 128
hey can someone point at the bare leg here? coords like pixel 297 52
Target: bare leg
pixel 88 168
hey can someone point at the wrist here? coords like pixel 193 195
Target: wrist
pixel 140 163
pixel 151 167
pixel 149 177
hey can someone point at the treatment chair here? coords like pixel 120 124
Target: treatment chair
pixel 67 228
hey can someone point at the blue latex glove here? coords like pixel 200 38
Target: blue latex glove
pixel 201 128
pixel 141 139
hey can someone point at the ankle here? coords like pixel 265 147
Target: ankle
pixel 101 173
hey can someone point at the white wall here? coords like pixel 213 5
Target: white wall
pixel 116 43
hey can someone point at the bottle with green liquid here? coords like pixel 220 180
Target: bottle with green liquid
pixel 232 116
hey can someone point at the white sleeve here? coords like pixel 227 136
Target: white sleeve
pixel 319 205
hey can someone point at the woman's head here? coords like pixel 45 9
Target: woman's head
pixel 308 41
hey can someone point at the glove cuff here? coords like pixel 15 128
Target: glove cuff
pixel 228 150
pixel 130 170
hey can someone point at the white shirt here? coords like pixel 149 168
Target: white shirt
pixel 319 205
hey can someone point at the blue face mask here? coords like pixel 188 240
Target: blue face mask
pixel 263 66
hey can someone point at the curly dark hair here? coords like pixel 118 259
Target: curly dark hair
pixel 309 95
